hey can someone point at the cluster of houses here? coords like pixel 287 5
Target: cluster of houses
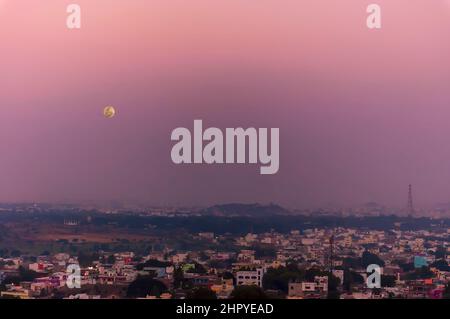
pixel 222 271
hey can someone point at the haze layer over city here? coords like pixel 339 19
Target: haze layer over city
pixel 344 140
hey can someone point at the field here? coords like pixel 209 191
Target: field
pixel 36 238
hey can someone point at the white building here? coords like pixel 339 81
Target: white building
pixel 317 287
pixel 250 277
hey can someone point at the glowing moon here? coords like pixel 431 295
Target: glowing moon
pixel 109 112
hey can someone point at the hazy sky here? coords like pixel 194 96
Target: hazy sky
pixel 362 113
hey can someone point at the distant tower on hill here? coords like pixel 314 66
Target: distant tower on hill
pixel 410 208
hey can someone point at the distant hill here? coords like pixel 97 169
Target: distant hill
pixel 246 210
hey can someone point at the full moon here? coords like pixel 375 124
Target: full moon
pixel 109 112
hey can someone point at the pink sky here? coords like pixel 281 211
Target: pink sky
pixel 361 113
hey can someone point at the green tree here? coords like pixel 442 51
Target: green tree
pixel 279 278
pixel 201 293
pixel 441 264
pixel 27 275
pixel 111 259
pixel 248 292
pixel 264 250
pixel 197 269
pixel 351 278
pixel 86 260
pixel 353 263
pixel 440 253
pixel 406 267
pixel 152 263
pixel 388 280
pixel 368 259
pixel 420 273
pixel 23 275
pixel 143 286
pixel 178 277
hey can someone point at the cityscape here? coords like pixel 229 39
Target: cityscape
pixel 221 151
pixel 233 251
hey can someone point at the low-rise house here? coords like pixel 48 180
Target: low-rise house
pixel 315 289
pixel 250 277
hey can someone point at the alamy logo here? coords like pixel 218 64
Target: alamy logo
pixel 74 19
pixel 73 276
pixel 374 19
pixel 236 145
pixel 374 277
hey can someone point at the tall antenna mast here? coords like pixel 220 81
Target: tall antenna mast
pixel 331 253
